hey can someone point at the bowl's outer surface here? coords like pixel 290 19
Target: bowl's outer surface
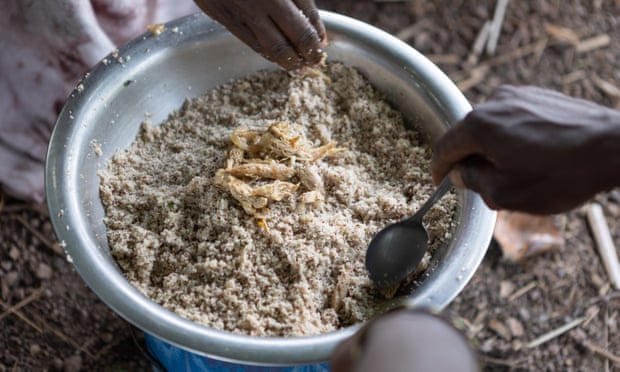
pixel 154 75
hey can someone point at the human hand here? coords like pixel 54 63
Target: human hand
pixel 287 32
pixel 406 340
pixel 532 150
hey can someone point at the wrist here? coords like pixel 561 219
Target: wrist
pixel 609 146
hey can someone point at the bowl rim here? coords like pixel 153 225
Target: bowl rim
pixel 130 304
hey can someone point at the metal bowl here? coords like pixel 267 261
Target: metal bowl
pixel 155 73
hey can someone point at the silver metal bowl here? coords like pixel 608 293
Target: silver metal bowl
pixel 193 55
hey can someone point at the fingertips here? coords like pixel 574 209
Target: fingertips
pixel 274 46
pixel 459 142
pixel 309 9
pixel 455 178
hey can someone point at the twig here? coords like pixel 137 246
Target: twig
pixel 573 77
pixel 605 244
pixel 51 246
pixel 607 87
pixel 602 352
pixel 411 30
pixel 477 76
pixel 444 59
pixel 14 309
pixel 523 51
pixel 496 26
pixel 522 291
pixel 595 42
pixel 562 34
pixel 555 333
pixel 479 43
pixel 609 297
pixel 10 309
pixel 20 207
pixel 503 362
pixel 62 336
pixel 606 344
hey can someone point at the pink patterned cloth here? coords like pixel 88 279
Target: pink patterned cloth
pixel 45 48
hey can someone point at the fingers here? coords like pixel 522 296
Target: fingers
pixel 455 145
pixel 478 174
pixel 274 46
pixel 226 15
pixel 302 30
pixel 287 32
pixel 309 9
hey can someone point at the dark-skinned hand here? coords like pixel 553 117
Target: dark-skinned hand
pixel 287 32
pixel 532 150
pixel 406 340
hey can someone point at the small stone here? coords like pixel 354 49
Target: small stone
pixel 14 254
pixel 500 329
pixel 505 288
pixel 57 363
pixel 107 337
pixel 72 364
pixel 515 326
pixel 11 278
pixel 44 271
pixel 35 349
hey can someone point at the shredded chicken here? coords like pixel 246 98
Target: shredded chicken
pixel 262 165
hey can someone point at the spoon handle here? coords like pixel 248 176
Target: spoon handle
pixel 440 191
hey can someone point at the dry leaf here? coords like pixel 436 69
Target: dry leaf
pixel 522 235
pixel 505 288
pixel 499 328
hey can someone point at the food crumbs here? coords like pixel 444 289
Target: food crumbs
pixel 249 209
pixel 156 29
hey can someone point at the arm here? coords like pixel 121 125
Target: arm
pixel 532 150
pixel 287 32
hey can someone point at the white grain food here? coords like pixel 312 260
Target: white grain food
pixel 188 245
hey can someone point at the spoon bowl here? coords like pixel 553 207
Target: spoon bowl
pixel 395 252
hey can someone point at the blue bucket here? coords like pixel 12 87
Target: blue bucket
pixel 173 358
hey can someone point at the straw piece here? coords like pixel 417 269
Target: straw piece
pixel 479 43
pixel 602 352
pixel 595 42
pixel 496 26
pixel 607 87
pixel 605 245
pixel 555 333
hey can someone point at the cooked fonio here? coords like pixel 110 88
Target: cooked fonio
pixel 250 208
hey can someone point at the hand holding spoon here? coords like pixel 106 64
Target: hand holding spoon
pixel 396 250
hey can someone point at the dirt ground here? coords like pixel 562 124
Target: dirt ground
pixel 553 312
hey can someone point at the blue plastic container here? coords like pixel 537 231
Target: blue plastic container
pixel 173 358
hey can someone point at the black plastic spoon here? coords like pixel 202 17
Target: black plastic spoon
pixel 396 250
